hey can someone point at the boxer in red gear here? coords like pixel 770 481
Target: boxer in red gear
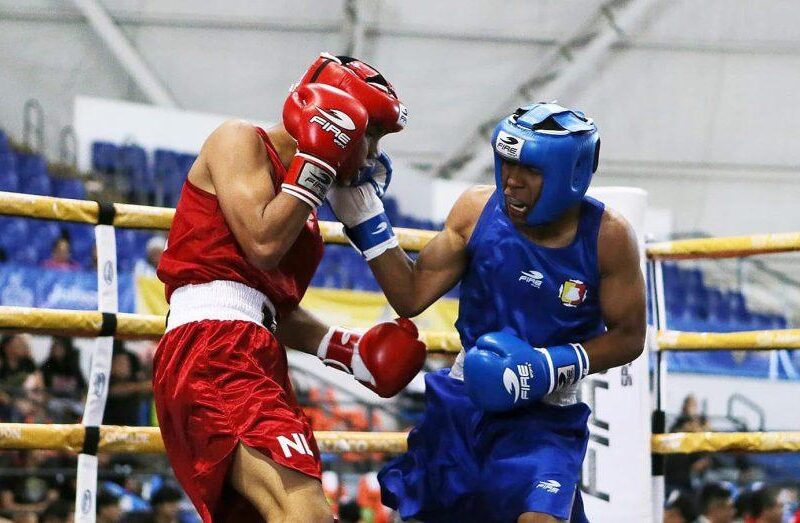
pixel 241 252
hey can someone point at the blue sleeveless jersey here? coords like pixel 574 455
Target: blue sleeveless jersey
pixel 546 296
pixel 464 464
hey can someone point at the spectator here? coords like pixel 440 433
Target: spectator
pixel 689 407
pixel 154 249
pixel 682 471
pixel 25 516
pixel 716 504
pixel 16 363
pixel 679 508
pixel 127 387
pixel 166 504
pixel 59 511
pixel 764 506
pixel 61 256
pixel 108 509
pixel 31 404
pixel 18 378
pixel 28 492
pixel 63 379
pixel 350 512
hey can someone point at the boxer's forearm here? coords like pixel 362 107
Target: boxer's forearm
pixel 615 347
pixel 394 271
pixel 280 223
pixel 412 286
pixel 301 330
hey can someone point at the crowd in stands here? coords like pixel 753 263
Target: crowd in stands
pixel 41 484
pixel 723 488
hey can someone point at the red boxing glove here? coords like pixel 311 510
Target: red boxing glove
pixel 385 358
pixel 327 124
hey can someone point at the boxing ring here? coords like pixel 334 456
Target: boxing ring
pixel 91 437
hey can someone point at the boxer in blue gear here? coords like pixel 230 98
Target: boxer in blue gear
pixel 551 290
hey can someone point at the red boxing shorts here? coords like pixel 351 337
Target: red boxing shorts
pixel 217 383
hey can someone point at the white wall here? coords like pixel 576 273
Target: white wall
pixel 697 107
pixel 150 127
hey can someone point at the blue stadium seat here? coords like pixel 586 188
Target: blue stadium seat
pixel 31 165
pixel 740 316
pixel 332 280
pixel 719 311
pixel 44 235
pixel 79 231
pixel 693 279
pixel 25 254
pixel 36 184
pixel 69 188
pixel 105 157
pixel 165 170
pixel 8 162
pixel 185 161
pixel 171 169
pixel 82 248
pixel 132 167
pixel 14 235
pixel 4 146
pixel 126 243
pixel 8 180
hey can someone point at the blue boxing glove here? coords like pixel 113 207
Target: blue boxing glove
pixel 503 372
pixel 360 209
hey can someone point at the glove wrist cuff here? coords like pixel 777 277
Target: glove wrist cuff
pixel 337 348
pixel 568 364
pixel 372 237
pixel 308 179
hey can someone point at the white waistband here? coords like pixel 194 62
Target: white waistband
pixel 217 300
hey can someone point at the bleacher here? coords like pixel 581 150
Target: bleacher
pixel 150 180
pixel 694 306
pixel 156 179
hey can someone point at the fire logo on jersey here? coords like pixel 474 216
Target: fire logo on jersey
pixel 572 293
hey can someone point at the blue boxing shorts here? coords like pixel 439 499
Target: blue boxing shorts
pixel 465 465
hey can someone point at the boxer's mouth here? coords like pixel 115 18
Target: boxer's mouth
pixel 518 206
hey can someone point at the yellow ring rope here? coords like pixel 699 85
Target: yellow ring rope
pixel 148 326
pixel 114 439
pixel 689 442
pixel 749 340
pixel 137 326
pixel 728 247
pixel 144 217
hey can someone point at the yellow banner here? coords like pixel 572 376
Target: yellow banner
pixel 334 306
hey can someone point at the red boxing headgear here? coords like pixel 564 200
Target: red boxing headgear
pixel 364 83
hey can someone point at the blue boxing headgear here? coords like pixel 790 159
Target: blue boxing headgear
pixel 562 144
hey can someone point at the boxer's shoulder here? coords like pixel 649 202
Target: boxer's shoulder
pixel 616 241
pixel 234 137
pixel 468 208
pixel 234 149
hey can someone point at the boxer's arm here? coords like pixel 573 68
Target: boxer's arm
pixel 385 358
pixel 622 296
pixel 301 330
pixel 412 286
pixel 265 225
